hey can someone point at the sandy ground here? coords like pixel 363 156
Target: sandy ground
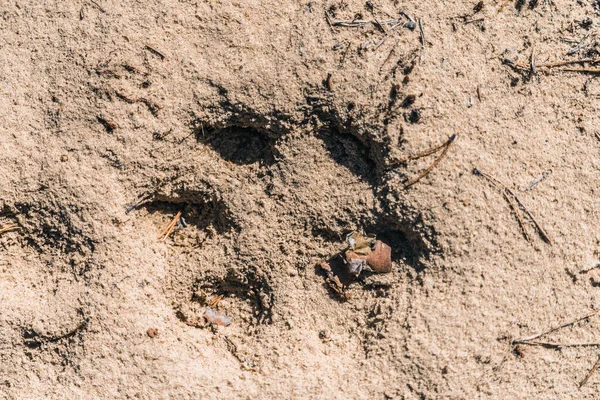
pixel 271 131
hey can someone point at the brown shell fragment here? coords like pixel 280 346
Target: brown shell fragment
pixel 380 259
pixel 355 262
pixel 333 281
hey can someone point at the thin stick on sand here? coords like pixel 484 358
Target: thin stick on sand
pixel 422 33
pixel 581 70
pixel 570 62
pixel 528 339
pixel 419 155
pixel 541 230
pixel 511 201
pixel 9 228
pixel 503 5
pixel 515 208
pixel 587 377
pixel 509 194
pixel 169 228
pixel 445 146
pixel 436 162
pixel 555 345
pixel 558 65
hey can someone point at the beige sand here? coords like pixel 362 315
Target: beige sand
pixel 224 110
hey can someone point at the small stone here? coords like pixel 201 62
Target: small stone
pixel 153 332
pixel 324 336
pixel 410 25
pixel 64 158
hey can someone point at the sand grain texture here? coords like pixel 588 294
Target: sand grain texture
pixel 271 132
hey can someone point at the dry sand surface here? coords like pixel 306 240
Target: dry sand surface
pixel 270 125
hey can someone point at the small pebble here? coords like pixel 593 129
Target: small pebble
pixel 324 336
pixel 153 332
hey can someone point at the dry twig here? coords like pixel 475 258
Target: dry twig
pixel 329 21
pixel 532 61
pixel 537 180
pixel 512 198
pixel 528 339
pixel 503 5
pixel 570 62
pixel 541 230
pixel 155 52
pixel 212 303
pixel 422 33
pixel 421 154
pixel 9 228
pixel 581 70
pixel 98 6
pixel 515 208
pixel 356 23
pixel 169 228
pixel 531 341
pixel 587 377
pixel 555 345
pixel 445 146
pixel 509 199
pixel 533 67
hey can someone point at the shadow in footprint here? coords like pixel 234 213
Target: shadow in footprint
pixel 239 145
pixel 249 292
pixel 197 209
pixel 406 247
pixel 351 153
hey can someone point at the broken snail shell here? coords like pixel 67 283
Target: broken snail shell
pixel 379 260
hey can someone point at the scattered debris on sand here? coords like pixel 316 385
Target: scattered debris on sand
pixel 334 281
pixel 534 341
pixel 363 253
